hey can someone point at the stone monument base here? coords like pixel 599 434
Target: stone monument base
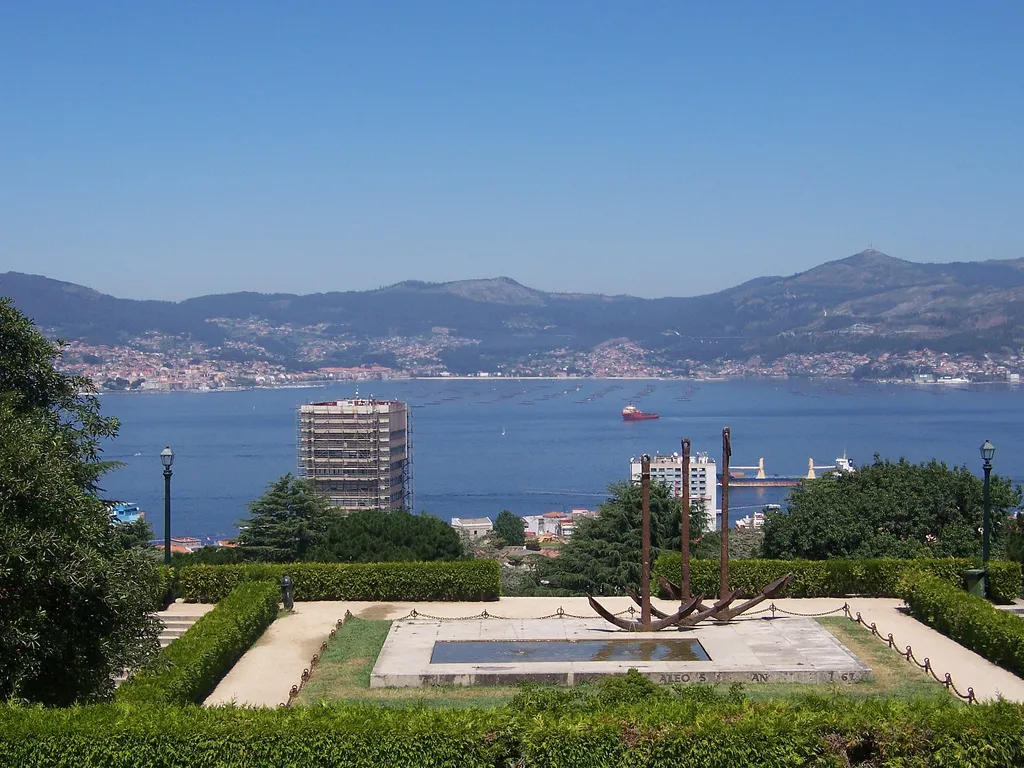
pixel 749 651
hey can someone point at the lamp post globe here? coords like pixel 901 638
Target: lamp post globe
pixel 988 452
pixel 167 459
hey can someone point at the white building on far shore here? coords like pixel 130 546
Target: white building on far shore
pixel 556 524
pixel 473 527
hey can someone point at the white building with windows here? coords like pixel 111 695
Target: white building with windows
pixel 703 480
pixel 473 528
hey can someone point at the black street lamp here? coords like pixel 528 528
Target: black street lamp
pixel 988 451
pixel 167 458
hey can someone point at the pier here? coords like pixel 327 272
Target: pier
pixel 761 482
pixel 761 479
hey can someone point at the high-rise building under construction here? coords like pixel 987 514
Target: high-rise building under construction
pixel 358 452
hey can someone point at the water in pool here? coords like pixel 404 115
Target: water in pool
pixel 513 651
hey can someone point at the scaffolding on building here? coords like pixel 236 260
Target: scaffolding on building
pixel 410 497
pixel 357 452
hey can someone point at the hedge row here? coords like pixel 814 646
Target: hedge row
pixel 838 577
pixel 970 621
pixel 442 581
pixel 187 671
pixel 814 732
pixel 164 595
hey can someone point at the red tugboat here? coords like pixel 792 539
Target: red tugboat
pixel 632 413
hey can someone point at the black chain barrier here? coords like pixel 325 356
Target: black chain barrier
pixel 293 694
pixel 561 613
pixel 908 654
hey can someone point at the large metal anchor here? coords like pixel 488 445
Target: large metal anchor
pixel 692 609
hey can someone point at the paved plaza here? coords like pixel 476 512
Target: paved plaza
pixel 780 650
pixel 264 675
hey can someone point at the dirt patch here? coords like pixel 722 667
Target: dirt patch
pixel 377 611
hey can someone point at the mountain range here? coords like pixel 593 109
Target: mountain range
pixel 868 302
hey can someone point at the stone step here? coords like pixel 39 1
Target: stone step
pixel 175 625
pixel 175 631
pixel 1016 608
pixel 178 619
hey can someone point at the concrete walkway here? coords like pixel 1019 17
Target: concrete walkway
pixel 265 674
pixel 966 668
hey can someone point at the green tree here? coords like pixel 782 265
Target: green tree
pixel 603 555
pixel 888 509
pixel 371 536
pixel 1013 539
pixel 67 405
pixel 136 535
pixel 74 601
pixel 511 528
pixel 285 523
pixel 209 556
pixel 743 545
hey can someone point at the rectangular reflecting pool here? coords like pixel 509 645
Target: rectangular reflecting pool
pixel 515 651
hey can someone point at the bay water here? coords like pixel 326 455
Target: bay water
pixel 534 446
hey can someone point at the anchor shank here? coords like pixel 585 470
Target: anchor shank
pixel 645 532
pixel 726 453
pixel 684 529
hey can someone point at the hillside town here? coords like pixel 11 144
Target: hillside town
pixel 156 363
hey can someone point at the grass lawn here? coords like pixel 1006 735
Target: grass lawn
pixel 893 677
pixel 344 674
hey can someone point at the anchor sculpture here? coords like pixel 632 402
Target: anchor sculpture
pixel 692 608
pixel 645 623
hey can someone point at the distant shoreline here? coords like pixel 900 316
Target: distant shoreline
pixel 322 384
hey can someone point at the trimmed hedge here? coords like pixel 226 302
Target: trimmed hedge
pixel 970 621
pixel 187 671
pixel 705 733
pixel 838 577
pixel 441 581
pixel 164 595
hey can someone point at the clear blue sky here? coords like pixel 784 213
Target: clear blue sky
pixel 170 149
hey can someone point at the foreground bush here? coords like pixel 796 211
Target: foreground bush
pixel 698 730
pixel 971 621
pixel 464 580
pixel 838 577
pixel 187 671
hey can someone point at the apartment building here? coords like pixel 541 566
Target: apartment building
pixel 357 452
pixel 703 480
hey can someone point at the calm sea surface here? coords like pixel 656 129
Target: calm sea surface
pixel 563 440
